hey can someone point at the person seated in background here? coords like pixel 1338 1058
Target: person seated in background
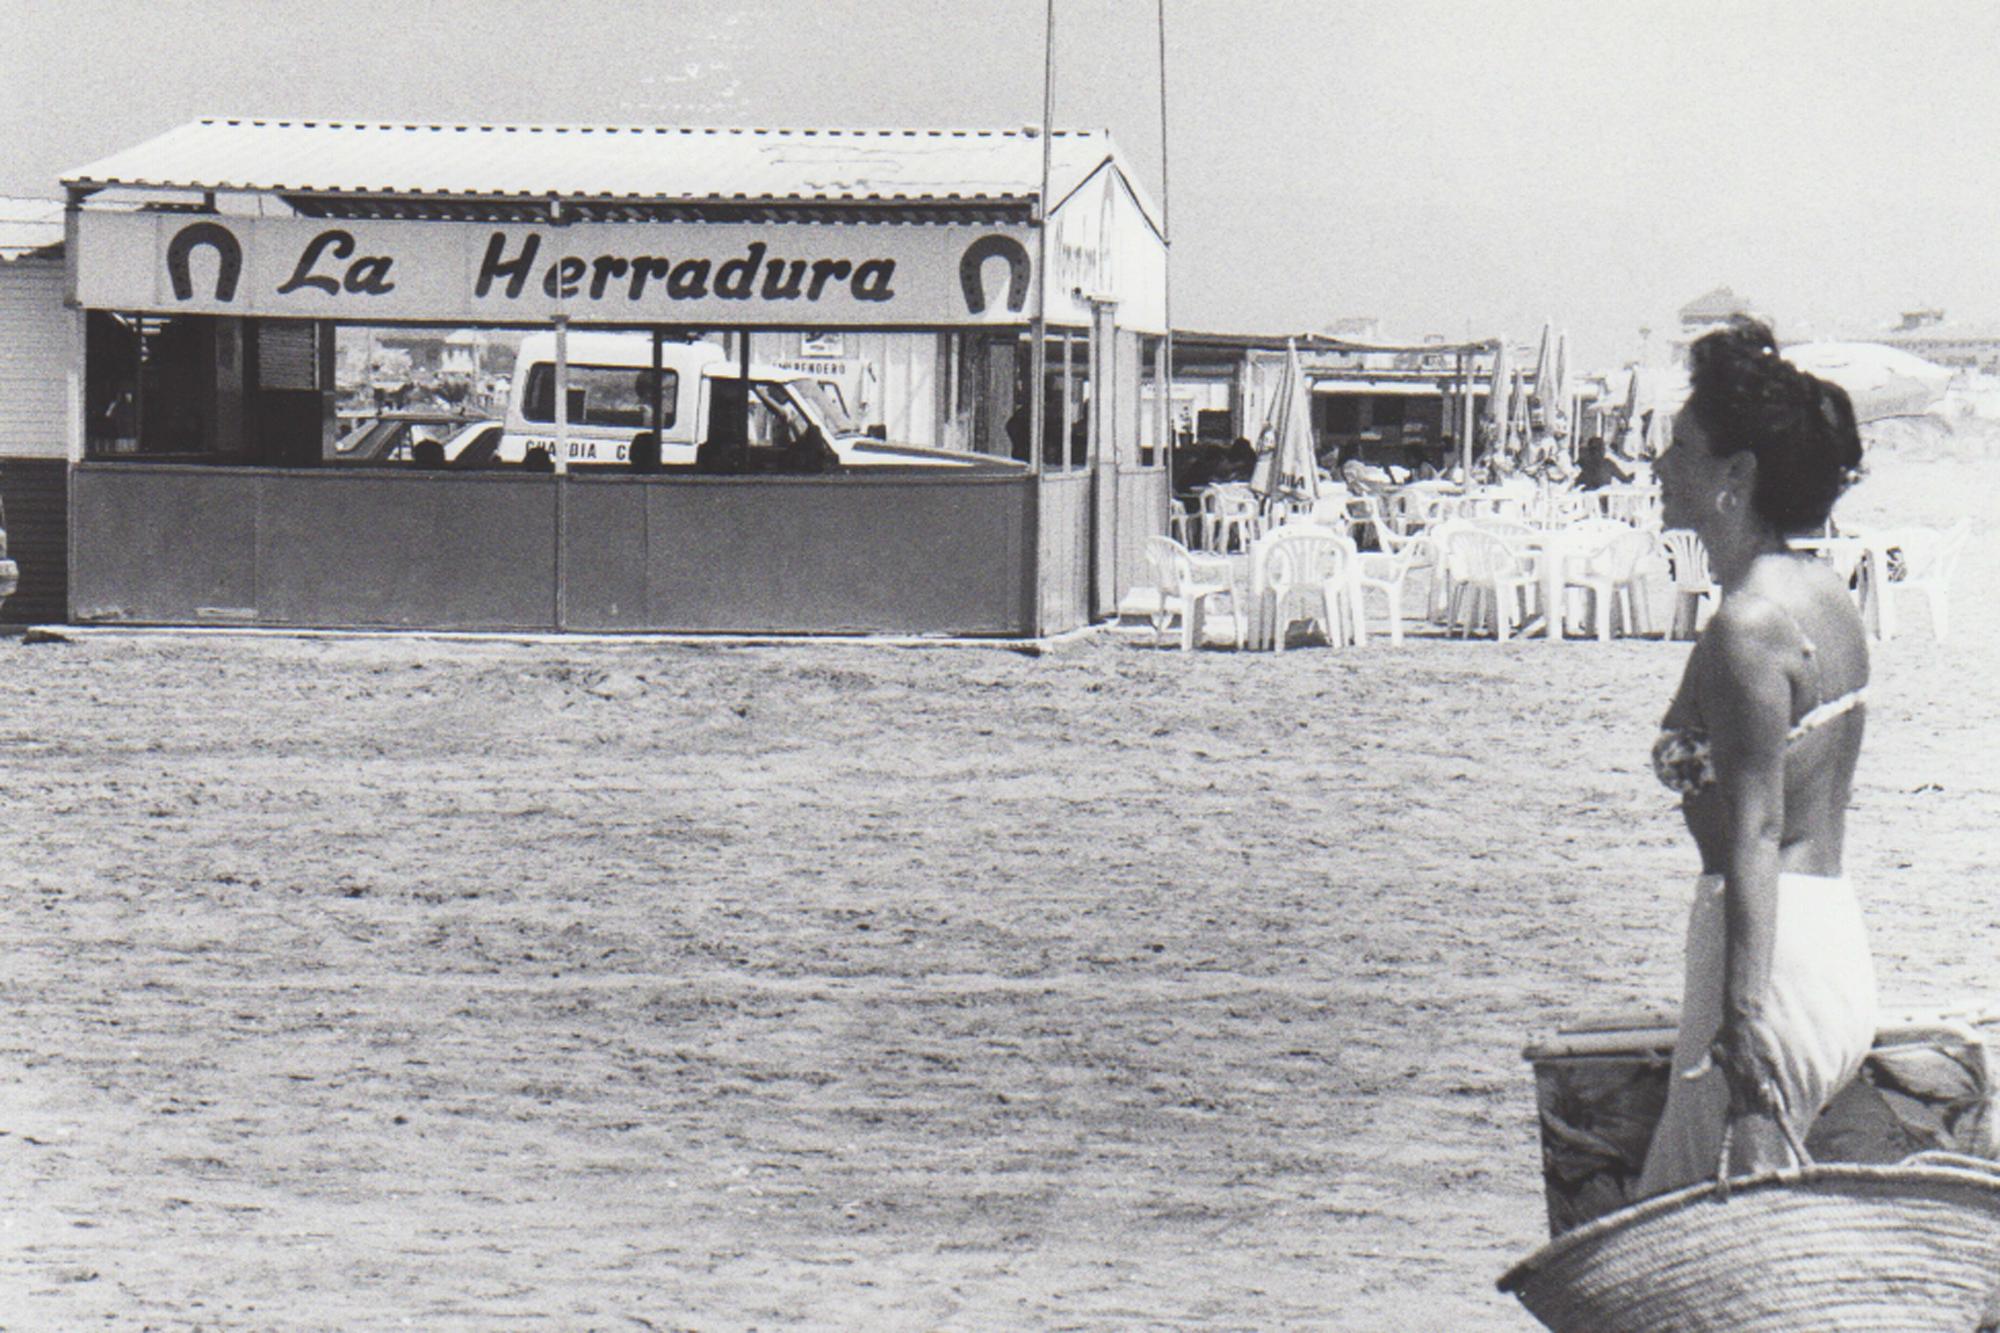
pixel 1362 478
pixel 1019 446
pixel 1239 463
pixel 1597 468
pixel 537 459
pixel 644 455
pixel 426 455
pixel 1557 469
pixel 1197 465
pixel 1507 470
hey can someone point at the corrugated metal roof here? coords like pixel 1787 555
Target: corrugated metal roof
pixel 648 164
pixel 27 225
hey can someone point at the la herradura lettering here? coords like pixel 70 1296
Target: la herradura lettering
pixel 749 276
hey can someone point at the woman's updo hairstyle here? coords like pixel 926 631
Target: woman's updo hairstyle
pixel 1801 428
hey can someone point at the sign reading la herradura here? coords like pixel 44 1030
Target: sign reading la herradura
pixel 724 273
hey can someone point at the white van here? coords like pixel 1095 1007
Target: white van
pixel 612 393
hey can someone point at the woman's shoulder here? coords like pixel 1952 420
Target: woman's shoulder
pixel 1752 619
pixel 1786 615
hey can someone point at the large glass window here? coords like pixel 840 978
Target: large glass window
pixel 602 395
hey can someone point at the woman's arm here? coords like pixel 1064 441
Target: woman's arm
pixel 1746 699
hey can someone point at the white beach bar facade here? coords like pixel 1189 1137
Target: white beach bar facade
pixel 37 337
pixel 211 267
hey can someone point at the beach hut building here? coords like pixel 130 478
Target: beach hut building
pixel 1378 401
pixel 36 336
pixel 215 268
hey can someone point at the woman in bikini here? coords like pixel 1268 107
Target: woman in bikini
pixel 1761 741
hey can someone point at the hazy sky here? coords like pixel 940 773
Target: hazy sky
pixel 1448 167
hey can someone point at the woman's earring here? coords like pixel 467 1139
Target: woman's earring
pixel 1726 502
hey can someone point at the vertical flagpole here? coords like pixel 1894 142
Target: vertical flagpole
pixel 1038 327
pixel 1167 282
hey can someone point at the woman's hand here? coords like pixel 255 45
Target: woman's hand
pixel 1746 1052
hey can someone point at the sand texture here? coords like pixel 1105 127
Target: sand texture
pixel 398 983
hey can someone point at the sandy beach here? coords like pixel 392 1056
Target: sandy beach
pixel 381 983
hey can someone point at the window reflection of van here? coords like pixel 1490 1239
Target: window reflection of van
pixel 700 395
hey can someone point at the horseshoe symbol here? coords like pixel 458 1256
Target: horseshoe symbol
pixel 971 271
pixel 226 247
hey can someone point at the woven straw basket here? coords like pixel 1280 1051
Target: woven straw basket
pixel 1911 1246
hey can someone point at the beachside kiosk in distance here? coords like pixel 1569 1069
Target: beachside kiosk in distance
pixel 215 269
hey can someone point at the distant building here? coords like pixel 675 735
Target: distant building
pixel 1925 333
pixel 1710 309
pixel 460 358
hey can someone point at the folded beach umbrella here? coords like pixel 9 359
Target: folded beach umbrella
pixel 1627 437
pixel 1545 375
pixel 1517 409
pixel 1289 466
pixel 1558 405
pixel 1498 414
pixel 1880 381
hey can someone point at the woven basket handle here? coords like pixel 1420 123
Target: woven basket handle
pixel 1782 1114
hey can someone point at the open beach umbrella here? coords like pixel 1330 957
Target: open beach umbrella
pixel 1289 466
pixel 1880 381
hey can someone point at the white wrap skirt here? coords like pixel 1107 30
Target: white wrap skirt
pixel 1820 1006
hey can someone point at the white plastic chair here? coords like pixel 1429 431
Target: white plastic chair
pixel 1919 560
pixel 1494 502
pixel 1186 584
pixel 1633 504
pixel 1390 534
pixel 1330 508
pixel 1385 573
pixel 1361 511
pixel 1438 538
pixel 1693 584
pixel 1557 509
pixel 1612 572
pixel 1308 566
pixel 1508 530
pixel 1487 574
pixel 1232 517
